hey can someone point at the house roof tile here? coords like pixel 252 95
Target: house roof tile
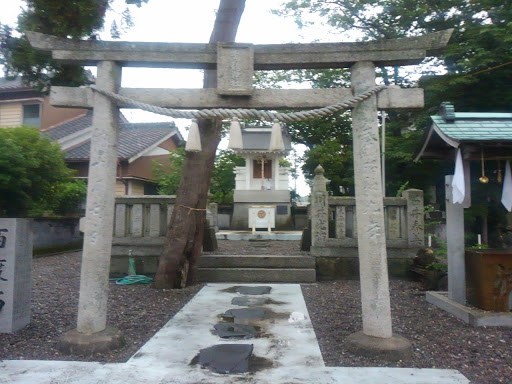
pixel 133 137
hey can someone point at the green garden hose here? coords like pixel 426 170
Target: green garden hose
pixel 133 278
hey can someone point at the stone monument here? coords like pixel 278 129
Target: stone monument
pixel 15 273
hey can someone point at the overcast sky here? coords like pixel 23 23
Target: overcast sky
pixel 191 21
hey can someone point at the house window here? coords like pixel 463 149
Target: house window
pixel 31 115
pixel 256 169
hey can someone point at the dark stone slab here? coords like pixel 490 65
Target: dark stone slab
pixel 262 290
pixel 226 358
pixel 245 314
pixel 249 301
pixel 235 331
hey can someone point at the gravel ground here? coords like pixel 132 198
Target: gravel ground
pixel 484 355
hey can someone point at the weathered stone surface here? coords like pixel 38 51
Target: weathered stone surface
pixel 235 69
pixel 92 307
pixel 392 98
pixel 405 51
pixel 226 358
pixel 235 331
pixel 319 208
pixel 245 314
pixel 455 241
pixel 393 348
pixel 15 273
pixel 77 343
pixel 262 290
pixel 370 211
pixel 246 301
pixel 415 217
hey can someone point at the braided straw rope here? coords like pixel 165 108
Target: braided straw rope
pixel 242 113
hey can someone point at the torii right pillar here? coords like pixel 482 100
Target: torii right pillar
pixel 377 337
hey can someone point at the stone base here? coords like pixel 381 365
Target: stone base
pixel 472 316
pixel 394 348
pixel 77 343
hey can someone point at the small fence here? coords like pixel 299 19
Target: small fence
pixel 140 227
pixel 334 226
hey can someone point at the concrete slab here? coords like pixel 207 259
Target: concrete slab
pixel 471 316
pixel 259 235
pixel 288 352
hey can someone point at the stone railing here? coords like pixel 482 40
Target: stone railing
pixel 142 216
pixel 334 223
pixel 140 226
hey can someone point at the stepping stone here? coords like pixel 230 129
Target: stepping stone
pixel 245 301
pixel 263 290
pixel 226 358
pixel 235 331
pixel 245 314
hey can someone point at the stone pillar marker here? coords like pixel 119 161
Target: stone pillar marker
pixel 319 208
pixel 415 218
pixel 377 336
pixel 15 273
pixel 456 251
pixel 92 334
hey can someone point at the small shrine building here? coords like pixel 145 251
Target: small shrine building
pixel 262 184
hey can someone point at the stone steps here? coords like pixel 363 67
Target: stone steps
pixel 256 268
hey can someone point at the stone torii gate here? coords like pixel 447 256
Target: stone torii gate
pixel 235 64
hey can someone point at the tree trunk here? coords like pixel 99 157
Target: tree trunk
pixel 184 241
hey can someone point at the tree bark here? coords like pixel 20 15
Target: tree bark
pixel 183 246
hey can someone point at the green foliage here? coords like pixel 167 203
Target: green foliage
pixel 438 267
pixel 223 176
pixel 69 195
pixel 168 177
pixel 478 59
pixel 76 19
pixel 479 246
pixel 337 162
pixel 402 189
pixel 33 175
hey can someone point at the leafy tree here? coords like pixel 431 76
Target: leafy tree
pixel 223 177
pixel 76 19
pixel 168 178
pixel 478 59
pixel 33 174
pixel 69 196
pixel 183 246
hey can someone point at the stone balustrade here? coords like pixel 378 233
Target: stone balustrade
pixel 334 228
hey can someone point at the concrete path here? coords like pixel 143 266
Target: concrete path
pixel 287 352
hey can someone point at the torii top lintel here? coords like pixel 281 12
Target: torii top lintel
pixel 405 51
pixel 235 65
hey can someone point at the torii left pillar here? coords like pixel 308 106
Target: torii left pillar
pixel 92 334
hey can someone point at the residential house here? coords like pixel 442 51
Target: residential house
pixel 139 143
pixel 21 104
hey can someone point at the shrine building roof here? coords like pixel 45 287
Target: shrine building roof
pixel 471 130
pixel 257 139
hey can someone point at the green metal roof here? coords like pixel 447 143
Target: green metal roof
pixel 471 130
pixel 468 126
